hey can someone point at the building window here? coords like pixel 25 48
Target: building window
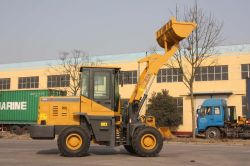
pixel 128 77
pixel 245 71
pixel 211 73
pixel 4 83
pixel 28 82
pixel 58 81
pixel 179 106
pixel 169 75
pixel 244 105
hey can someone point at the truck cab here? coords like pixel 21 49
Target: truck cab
pixel 212 115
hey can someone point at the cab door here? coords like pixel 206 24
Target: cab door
pixel 103 88
pixel 218 116
pixel 205 118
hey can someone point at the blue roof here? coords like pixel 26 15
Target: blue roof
pixel 118 58
pixel 214 102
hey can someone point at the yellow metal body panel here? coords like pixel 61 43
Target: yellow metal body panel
pixel 63 111
pixel 59 110
pixel 94 109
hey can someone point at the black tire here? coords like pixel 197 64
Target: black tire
pixel 68 150
pixel 139 137
pixel 246 133
pixel 25 129
pixel 16 130
pixel 129 148
pixel 213 133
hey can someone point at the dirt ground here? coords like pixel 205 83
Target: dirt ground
pixel 8 135
pixel 225 141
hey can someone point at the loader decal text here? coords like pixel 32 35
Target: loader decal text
pixel 13 105
pixel 104 124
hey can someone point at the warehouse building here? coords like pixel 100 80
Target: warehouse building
pixel 225 79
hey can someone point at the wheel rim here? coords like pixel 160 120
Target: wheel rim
pixel 212 134
pixel 74 141
pixel 148 141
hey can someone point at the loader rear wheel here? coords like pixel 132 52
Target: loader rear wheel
pixel 129 148
pixel 73 142
pixel 213 133
pixel 147 142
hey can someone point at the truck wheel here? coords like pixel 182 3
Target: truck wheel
pixel 129 148
pixel 147 141
pixel 25 129
pixel 246 133
pixel 213 133
pixel 16 130
pixel 73 142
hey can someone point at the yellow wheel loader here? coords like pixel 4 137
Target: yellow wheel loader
pixel 96 116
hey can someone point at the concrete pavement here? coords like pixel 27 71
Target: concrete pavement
pixel 45 153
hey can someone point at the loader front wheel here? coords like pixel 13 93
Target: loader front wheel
pixel 147 141
pixel 73 142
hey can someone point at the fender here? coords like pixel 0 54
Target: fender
pixel 84 115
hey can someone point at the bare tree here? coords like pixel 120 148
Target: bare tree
pixel 69 64
pixel 152 50
pixel 198 49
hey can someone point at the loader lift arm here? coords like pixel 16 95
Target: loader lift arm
pixel 168 37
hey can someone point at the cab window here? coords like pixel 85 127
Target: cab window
pixel 85 83
pixel 209 111
pixel 101 85
pixel 217 110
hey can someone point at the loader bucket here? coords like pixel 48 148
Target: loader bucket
pixel 173 32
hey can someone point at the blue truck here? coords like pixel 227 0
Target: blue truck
pixel 215 120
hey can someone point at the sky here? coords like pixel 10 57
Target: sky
pixel 32 30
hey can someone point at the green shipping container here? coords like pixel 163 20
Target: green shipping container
pixel 21 106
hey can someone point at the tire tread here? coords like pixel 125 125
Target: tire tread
pixel 83 151
pixel 137 144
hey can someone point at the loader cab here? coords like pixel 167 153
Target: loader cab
pixel 101 84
